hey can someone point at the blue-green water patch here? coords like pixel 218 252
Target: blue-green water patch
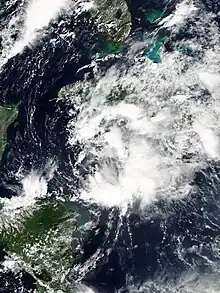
pixel 155 43
pixel 153 15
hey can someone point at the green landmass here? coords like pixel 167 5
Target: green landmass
pixel 79 90
pixel 43 241
pixel 112 18
pixel 118 94
pixel 7 116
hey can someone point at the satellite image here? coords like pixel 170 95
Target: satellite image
pixel 109 146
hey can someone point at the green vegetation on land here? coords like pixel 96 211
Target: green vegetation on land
pixel 112 19
pixel 43 241
pixel 7 116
